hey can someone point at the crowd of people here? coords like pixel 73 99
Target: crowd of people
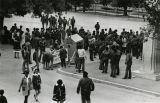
pixel 105 43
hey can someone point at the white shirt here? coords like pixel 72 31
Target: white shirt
pixel 81 53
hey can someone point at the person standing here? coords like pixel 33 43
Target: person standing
pixel 43 20
pixel 25 86
pixel 16 38
pixel 128 62
pixel 3 99
pixel 63 56
pixel 64 23
pixel 42 45
pixel 91 51
pixel 73 22
pixel 105 59
pixel 86 85
pixel 113 61
pixel 59 92
pixel 97 27
pixel 82 56
pixel 36 80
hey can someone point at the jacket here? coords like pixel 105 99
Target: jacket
pixel 59 93
pixel 86 85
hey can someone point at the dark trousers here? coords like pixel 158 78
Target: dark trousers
pixel 128 73
pixel 40 56
pixel 113 70
pixel 81 64
pixel 85 99
pixel 26 99
pixel 72 26
pixel 100 65
pixel 63 62
pixel 91 55
pixel 105 65
pixel 117 66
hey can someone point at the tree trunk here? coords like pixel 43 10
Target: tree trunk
pixel 1 21
pixel 75 8
pixel 125 11
pixel 84 8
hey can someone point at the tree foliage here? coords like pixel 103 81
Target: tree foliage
pixel 105 2
pixel 153 14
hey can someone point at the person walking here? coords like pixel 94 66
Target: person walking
pixel 86 85
pixel 128 62
pixel 36 59
pixel 3 99
pixel 59 92
pixel 25 55
pixel 25 85
pixel 63 56
pixel 36 80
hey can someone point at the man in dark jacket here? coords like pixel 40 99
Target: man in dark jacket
pixel 59 92
pixel 86 85
pixel 63 56
pixel 2 98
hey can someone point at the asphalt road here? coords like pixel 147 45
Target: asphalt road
pixel 10 77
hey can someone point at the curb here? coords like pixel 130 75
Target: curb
pixel 77 76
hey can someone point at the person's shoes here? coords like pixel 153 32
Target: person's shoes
pixel 35 97
pixel 129 77
pixel 124 78
pixel 102 71
pixel 36 100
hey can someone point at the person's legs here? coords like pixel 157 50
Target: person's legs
pixel 83 98
pixel 64 62
pixel 26 99
pixel 61 62
pixel 126 73
pixel 130 73
pixel 83 64
pixel 80 64
pixel 106 66
pixel 100 65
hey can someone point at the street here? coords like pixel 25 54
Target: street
pixel 10 77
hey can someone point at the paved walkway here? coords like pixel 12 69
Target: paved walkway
pixel 137 84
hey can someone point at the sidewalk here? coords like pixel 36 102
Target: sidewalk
pixel 119 14
pixel 136 84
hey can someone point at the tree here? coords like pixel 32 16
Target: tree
pixel 105 2
pixel 151 7
pixel 84 3
pixel 17 7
